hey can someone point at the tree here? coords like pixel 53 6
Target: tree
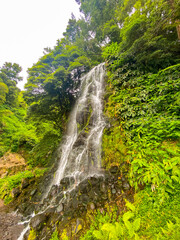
pixel 12 71
pixel 9 75
pixel 3 91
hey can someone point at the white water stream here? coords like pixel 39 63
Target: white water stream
pixel 80 152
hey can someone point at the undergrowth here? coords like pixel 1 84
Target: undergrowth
pixel 10 182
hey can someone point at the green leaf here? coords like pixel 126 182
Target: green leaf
pixel 128 215
pixel 119 229
pixel 98 235
pixel 136 224
pixel 130 206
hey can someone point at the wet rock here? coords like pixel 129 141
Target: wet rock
pixel 84 186
pixel 53 192
pixel 9 228
pixel 113 191
pixel 24 183
pixel 74 192
pixel 15 192
pixel 114 170
pixel 91 206
pixel 60 208
pixel 38 221
pixel 84 198
pixel 80 141
pixel 67 181
pixel 94 180
pixel 125 185
pixel 75 203
pixel 33 192
pixel 79 225
pixel 59 197
pixel 82 117
pixel 102 187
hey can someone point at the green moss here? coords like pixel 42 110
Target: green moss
pixel 114 149
pixel 10 182
pixel 64 235
pixel 32 235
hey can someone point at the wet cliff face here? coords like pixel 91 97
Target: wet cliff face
pixel 67 209
pixel 80 152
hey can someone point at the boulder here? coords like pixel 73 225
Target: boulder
pixel 38 221
pixel 125 185
pixel 67 181
pixel 24 183
pixel 15 192
pixel 60 208
pixel 114 170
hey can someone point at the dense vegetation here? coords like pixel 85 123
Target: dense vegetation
pixel 139 41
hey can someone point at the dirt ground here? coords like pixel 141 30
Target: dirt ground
pixel 11 163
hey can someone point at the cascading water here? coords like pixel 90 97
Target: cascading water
pixel 81 150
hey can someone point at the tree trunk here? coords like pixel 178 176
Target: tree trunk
pixel 178 30
pixel 177 22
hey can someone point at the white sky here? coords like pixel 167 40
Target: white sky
pixel 29 26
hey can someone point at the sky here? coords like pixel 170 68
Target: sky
pixel 29 26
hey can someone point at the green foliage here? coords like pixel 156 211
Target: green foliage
pixel 147 108
pixel 64 235
pixel 55 235
pixel 143 219
pixel 3 91
pixel 143 104
pixel 171 231
pixel 155 217
pixel 148 36
pixel 114 149
pixel 42 152
pixel 9 77
pixel 32 235
pixel 106 226
pixel 15 133
pixel 10 182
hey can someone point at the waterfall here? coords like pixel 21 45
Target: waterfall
pixel 80 151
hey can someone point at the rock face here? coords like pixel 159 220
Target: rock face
pixel 9 228
pixel 65 207
pixel 15 192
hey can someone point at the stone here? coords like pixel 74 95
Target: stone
pixel 33 192
pixel 50 210
pixel 84 198
pixel 84 186
pixel 94 180
pixel 79 225
pixel 91 206
pixel 53 191
pixel 67 181
pixel 15 192
pixel 114 170
pixel 60 208
pixel 74 203
pixel 102 187
pixel 38 221
pixel 113 191
pixel 125 185
pixel 24 183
